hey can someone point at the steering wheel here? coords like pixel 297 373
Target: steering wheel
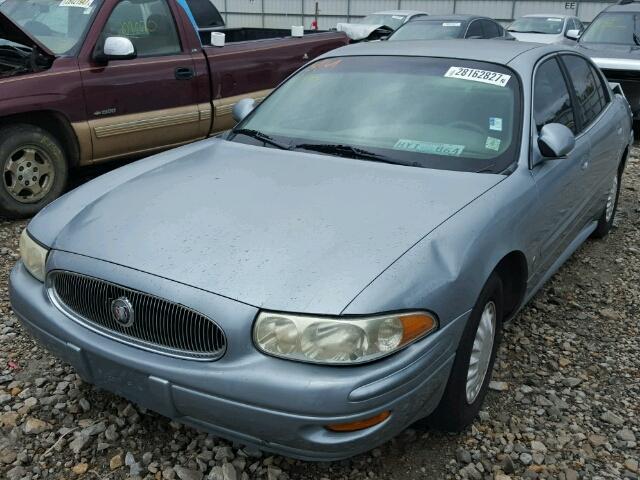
pixel 465 125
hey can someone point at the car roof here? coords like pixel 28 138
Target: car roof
pixel 493 51
pixel 461 17
pixel 550 15
pixel 398 12
pixel 624 7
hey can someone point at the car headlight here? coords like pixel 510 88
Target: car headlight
pixel 33 255
pixel 339 340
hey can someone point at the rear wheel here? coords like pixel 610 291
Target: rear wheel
pixel 605 222
pixel 34 170
pixel 471 372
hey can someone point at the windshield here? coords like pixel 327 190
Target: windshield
pixel 614 28
pixel 57 24
pixel 424 112
pixel 430 30
pixel 391 21
pixel 550 25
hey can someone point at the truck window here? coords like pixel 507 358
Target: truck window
pixel 148 24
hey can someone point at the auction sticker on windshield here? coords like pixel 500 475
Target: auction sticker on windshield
pixel 76 3
pixel 477 75
pixel 451 24
pixel 429 147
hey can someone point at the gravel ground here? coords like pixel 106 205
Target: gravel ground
pixel 565 401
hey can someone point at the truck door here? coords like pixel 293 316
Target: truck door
pixel 148 102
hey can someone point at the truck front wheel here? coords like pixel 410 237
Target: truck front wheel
pixel 34 170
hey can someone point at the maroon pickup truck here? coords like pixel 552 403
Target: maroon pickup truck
pixel 84 81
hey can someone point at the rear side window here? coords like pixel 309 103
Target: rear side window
pixel 587 86
pixel 551 99
pixel 475 30
pixel 491 29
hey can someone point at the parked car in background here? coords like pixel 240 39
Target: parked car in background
pixel 546 28
pixel 378 25
pixel 442 27
pixel 612 40
pixel 321 277
pixel 84 81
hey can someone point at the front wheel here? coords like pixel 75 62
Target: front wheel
pixel 34 170
pixel 471 372
pixel 605 222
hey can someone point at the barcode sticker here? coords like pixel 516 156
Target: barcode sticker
pixel 477 75
pixel 76 3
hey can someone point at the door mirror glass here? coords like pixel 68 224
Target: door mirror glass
pixel 243 108
pixel 573 34
pixel 117 48
pixel 556 140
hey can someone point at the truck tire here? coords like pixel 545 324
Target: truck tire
pixel 34 170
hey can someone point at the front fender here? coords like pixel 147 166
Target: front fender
pixel 447 269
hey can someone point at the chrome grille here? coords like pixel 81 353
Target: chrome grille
pixel 159 325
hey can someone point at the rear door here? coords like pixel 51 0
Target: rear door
pixel 600 123
pixel 561 183
pixel 151 101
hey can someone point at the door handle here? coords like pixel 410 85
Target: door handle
pixel 184 73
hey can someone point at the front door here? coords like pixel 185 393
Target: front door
pixel 560 182
pixel 148 102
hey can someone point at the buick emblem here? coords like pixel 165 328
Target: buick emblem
pixel 122 312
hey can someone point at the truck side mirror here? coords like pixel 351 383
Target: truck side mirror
pixel 243 108
pixel 573 34
pixel 556 141
pixel 115 48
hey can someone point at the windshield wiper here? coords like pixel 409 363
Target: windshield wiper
pixel 526 31
pixel 346 151
pixel 263 137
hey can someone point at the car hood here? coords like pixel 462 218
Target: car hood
pixel 536 37
pixel 271 228
pixel 359 31
pixel 11 31
pixel 612 57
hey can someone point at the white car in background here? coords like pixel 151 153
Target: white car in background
pixel 546 28
pixel 378 24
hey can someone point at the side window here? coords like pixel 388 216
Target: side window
pixel 551 99
pixel 491 29
pixel 579 25
pixel 148 24
pixel 587 87
pixel 474 30
pixel 205 13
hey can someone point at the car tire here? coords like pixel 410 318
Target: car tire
pixel 605 222
pixel 34 170
pixel 463 397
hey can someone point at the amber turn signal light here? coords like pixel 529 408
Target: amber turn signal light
pixel 360 424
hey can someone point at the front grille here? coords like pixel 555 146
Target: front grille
pixel 157 324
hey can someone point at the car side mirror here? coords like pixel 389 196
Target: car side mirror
pixel 116 48
pixel 556 141
pixel 573 34
pixel 243 108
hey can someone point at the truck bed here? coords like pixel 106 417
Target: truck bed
pixel 249 34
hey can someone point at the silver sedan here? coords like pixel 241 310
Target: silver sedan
pixel 341 264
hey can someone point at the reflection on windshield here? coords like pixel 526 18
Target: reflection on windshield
pixel 429 30
pixel 550 25
pixel 426 112
pixel 58 24
pixel 614 28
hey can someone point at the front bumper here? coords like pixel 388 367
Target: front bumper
pixel 260 401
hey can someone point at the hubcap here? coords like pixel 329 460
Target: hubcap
pixel 28 174
pixel 611 199
pixel 481 352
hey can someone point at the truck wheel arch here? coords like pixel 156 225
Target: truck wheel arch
pixel 57 124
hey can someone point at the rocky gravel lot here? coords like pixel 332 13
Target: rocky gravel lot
pixel 565 401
